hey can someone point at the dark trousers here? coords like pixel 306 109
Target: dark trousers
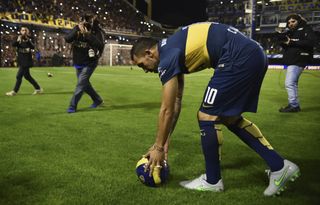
pixel 84 85
pixel 25 72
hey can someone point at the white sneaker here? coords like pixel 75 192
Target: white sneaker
pixel 201 184
pixel 39 91
pixel 11 93
pixel 278 179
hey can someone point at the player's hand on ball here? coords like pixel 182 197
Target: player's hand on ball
pixel 156 157
pixel 158 177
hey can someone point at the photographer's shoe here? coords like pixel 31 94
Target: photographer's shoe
pixel 290 108
pixel 95 105
pixel 279 179
pixel 201 184
pixel 71 110
pixel 37 91
pixel 11 93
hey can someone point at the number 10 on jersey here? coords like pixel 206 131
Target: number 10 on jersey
pixel 210 95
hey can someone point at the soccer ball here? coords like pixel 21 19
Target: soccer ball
pixel 50 75
pixel 159 176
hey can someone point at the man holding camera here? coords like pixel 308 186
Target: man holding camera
pixel 297 42
pixel 87 45
pixel 24 45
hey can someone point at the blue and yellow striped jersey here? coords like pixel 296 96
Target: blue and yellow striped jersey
pixel 202 45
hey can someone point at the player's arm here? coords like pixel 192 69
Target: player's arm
pixel 177 109
pixel 165 122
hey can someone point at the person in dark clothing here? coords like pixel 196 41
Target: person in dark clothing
pixel 297 42
pixel 24 44
pixel 87 40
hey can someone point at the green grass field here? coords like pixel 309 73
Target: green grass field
pixel 51 157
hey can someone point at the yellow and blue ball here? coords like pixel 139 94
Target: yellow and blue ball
pixel 159 176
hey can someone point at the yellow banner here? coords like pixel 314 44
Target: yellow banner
pixel 33 19
pixel 300 7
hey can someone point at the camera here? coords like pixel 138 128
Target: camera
pixel 88 26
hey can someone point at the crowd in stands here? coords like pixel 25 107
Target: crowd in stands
pixel 50 44
pixel 115 15
pixel 232 14
pixel 269 43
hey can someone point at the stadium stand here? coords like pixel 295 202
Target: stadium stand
pixel 268 16
pixel 49 20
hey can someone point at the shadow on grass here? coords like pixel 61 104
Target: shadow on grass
pixel 106 107
pixel 58 93
pixel 147 105
pixel 45 93
pixel 19 187
pixel 310 109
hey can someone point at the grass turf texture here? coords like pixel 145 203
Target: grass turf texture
pixel 51 157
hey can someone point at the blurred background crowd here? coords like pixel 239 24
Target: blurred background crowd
pixel 123 21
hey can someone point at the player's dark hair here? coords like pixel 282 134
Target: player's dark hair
pixel 141 45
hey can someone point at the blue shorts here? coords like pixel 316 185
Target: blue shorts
pixel 235 89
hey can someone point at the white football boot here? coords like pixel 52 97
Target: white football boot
pixel 11 93
pixel 279 179
pixel 201 184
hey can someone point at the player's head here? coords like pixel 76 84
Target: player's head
pixel 294 21
pixel 24 31
pixel 144 53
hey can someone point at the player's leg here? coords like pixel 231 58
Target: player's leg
pixel 250 134
pixel 211 140
pixel 282 170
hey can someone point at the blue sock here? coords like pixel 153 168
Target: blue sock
pixel 250 134
pixel 210 148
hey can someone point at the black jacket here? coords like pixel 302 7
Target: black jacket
pixel 82 43
pixel 299 51
pixel 24 55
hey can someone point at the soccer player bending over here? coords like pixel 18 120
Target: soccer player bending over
pixel 240 65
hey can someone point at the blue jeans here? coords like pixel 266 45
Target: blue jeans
pixel 291 83
pixel 84 85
